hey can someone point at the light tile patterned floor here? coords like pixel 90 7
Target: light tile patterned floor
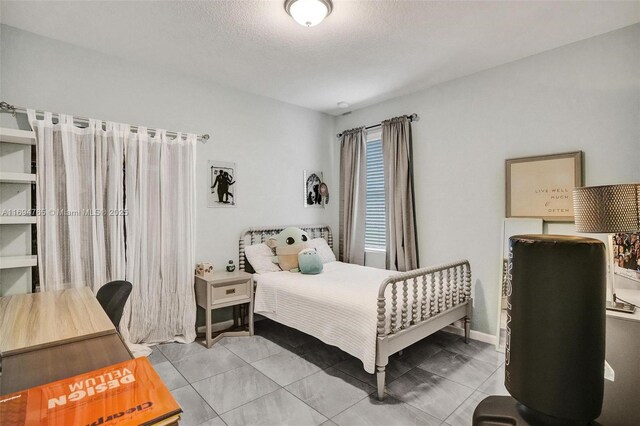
pixel 283 377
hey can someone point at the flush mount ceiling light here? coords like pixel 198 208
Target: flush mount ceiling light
pixel 308 13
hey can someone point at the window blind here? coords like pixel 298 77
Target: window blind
pixel 375 230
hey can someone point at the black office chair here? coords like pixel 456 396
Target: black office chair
pixel 112 297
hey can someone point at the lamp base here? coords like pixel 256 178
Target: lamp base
pixel 620 307
pixel 507 411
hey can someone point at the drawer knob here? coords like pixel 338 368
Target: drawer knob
pixel 231 291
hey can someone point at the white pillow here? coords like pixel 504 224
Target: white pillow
pixel 260 257
pixel 323 249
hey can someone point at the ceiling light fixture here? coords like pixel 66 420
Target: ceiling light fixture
pixel 308 13
pixel 342 105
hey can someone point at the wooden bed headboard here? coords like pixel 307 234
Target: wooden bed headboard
pixel 252 236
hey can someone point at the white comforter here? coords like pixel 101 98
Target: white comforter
pixel 338 306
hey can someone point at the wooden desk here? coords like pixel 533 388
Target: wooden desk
pixel 38 367
pixel 39 320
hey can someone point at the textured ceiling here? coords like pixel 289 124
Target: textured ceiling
pixel 363 53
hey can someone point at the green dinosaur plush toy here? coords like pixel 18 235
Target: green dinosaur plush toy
pixel 309 261
pixel 288 243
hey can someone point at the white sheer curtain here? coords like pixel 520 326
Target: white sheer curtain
pixel 160 191
pixel 80 199
pixel 91 183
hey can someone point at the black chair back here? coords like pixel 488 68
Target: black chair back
pixel 112 297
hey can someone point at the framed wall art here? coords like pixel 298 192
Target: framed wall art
pixel 222 184
pixel 542 186
pixel 625 255
pixel 312 181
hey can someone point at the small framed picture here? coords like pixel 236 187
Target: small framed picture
pixel 542 186
pixel 312 181
pixel 625 255
pixel 222 184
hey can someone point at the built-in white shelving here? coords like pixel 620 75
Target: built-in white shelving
pixel 17 159
pixel 10 177
pixel 17 220
pixel 7 262
pixel 23 137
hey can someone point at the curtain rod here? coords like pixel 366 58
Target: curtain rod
pixel 82 120
pixel 411 117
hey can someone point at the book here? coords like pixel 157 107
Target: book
pixel 128 393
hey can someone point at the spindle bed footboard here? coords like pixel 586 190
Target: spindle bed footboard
pixel 430 299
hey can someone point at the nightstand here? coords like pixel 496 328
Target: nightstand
pixel 223 289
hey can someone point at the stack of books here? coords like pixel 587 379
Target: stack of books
pixel 128 393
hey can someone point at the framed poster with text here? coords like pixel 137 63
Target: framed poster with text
pixel 542 186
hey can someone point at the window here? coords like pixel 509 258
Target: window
pixel 375 221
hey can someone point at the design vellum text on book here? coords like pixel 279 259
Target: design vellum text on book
pixel 128 393
pixel 93 385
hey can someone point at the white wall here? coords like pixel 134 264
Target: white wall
pixel 272 142
pixel 584 96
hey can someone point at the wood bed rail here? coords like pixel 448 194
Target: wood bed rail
pixel 429 298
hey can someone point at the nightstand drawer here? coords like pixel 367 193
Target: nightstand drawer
pixel 229 293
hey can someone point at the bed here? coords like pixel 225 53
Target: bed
pixel 367 312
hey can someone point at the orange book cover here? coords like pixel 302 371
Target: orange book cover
pixel 128 393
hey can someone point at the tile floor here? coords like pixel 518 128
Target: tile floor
pixel 283 377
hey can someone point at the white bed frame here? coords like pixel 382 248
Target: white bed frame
pixel 410 322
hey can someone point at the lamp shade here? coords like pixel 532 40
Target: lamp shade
pixel 607 209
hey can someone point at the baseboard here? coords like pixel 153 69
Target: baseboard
pixel 475 335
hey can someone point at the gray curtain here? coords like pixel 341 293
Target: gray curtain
pixel 402 251
pixel 353 163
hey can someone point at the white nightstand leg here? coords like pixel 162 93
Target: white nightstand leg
pixel 208 316
pixel 251 318
pixel 235 316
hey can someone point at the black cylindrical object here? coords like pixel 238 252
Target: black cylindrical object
pixel 556 325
